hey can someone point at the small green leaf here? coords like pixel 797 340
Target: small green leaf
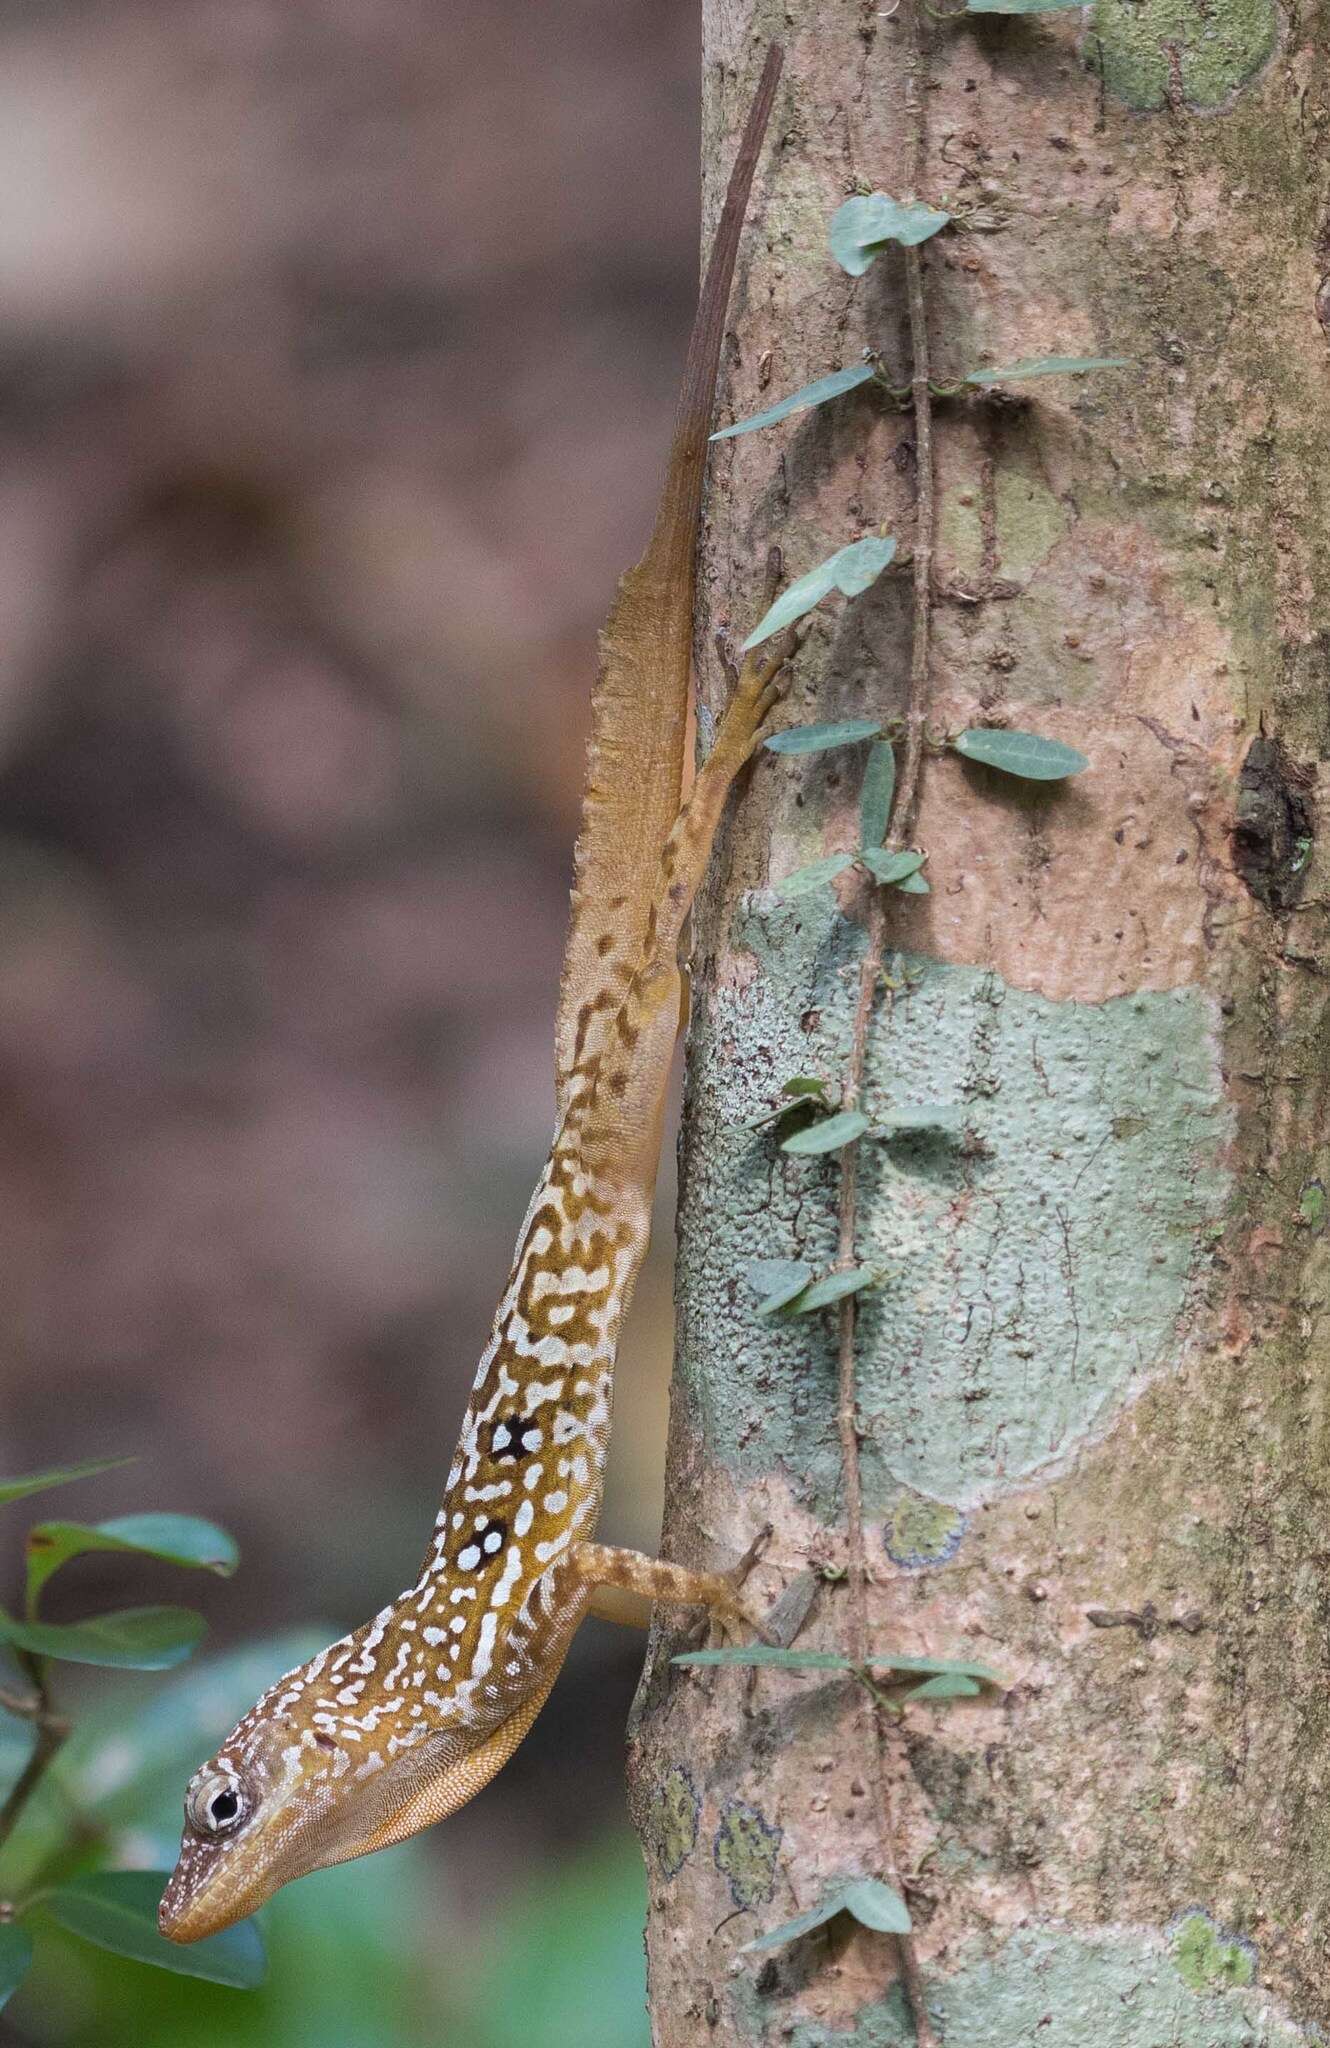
pixel 769 1653
pixel 815 739
pixel 914 885
pixel 850 570
pixel 862 227
pixel 891 867
pixel 1026 754
pixel 778 1281
pixel 176 1539
pixel 804 1084
pixel 869 1901
pixel 876 1905
pixel 38 1482
pixel 947 1685
pixel 942 1667
pixel 799 401
pixel 117 1909
pixel 15 1956
pixel 818 872
pixel 1042 366
pixel 829 1134
pixel 136 1639
pixel 879 788
pixel 931 1116
pixel 834 1288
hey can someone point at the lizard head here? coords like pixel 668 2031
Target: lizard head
pixel 337 1759
pixel 303 1780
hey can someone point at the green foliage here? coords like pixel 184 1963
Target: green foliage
pixel 117 1910
pixel 1042 366
pixel 816 875
pixel 833 1287
pixel 778 1281
pixel 1026 754
pixel 175 1539
pixel 850 570
pixel 61 1475
pixel 136 1639
pixel 799 401
pixel 829 1134
pixel 891 867
pixel 862 227
pixel 15 1957
pixel 866 1899
pixel 875 799
pixel 815 739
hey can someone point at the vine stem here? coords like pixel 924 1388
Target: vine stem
pixel 870 974
pixel 51 1733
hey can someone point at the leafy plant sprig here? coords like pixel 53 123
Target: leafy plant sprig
pixel 113 1909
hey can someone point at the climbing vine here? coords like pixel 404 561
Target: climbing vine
pixel 811 1118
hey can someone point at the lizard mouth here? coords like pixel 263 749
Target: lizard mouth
pixel 195 1905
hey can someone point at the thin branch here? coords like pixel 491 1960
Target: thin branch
pixel 870 976
pixel 52 1730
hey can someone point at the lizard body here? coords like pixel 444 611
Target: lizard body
pixel 401 1722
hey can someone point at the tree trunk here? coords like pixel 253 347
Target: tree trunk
pixel 1094 1444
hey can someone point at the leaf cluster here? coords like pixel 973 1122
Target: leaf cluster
pixel 115 1910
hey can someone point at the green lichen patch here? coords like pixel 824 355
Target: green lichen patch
pixel 919 1532
pixel 1030 521
pixel 1311 1205
pixel 1063 1990
pixel 1213 47
pixel 1035 1263
pixel 1207 1959
pixel 745 1849
pixel 671 1823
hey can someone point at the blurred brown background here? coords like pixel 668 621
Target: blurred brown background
pixel 338 344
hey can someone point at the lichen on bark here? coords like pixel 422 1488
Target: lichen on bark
pixel 1096 1425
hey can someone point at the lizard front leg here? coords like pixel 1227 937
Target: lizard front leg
pixel 625 1585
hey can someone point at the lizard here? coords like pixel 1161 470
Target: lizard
pixel 402 1721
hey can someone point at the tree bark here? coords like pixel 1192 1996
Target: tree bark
pixel 1092 1411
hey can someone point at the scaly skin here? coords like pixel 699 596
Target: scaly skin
pixel 400 1723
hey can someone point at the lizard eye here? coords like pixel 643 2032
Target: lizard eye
pixel 216 1804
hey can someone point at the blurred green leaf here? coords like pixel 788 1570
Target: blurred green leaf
pixel 817 873
pixel 914 885
pixel 875 799
pixel 816 739
pixel 874 1904
pixel 946 1686
pixel 134 1639
pixel 176 1539
pixel 798 401
pixel 117 1909
pixel 63 1475
pixel 850 570
pixel 833 1288
pixel 829 1134
pixel 804 1084
pixel 777 1281
pixel 867 1900
pixel 768 1653
pixel 564 1966
pixel 948 1667
pixel 862 227
pixel 891 867
pixel 1027 754
pixel 15 1956
pixel 1043 366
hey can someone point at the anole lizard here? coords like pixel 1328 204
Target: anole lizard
pixel 400 1723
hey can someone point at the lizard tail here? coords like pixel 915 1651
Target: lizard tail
pixel 640 705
